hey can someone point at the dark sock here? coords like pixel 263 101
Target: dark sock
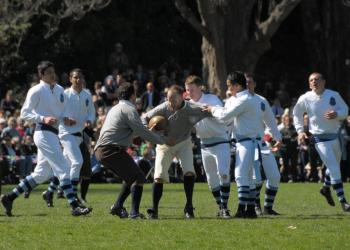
pixel 188 186
pixel 84 187
pixel 257 197
pixel 123 195
pixel 136 192
pixel 157 195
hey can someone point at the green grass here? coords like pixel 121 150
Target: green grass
pixel 307 223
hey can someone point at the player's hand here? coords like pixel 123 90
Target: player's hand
pixel 207 108
pixel 88 124
pixel 49 120
pixel 276 146
pixel 170 141
pixel 330 114
pixel 301 137
pixel 69 121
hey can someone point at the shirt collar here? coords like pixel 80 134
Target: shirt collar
pixel 126 102
pixel 242 93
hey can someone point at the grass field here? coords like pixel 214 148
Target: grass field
pixel 307 223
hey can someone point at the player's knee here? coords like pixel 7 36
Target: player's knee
pixel 189 174
pixel 158 180
pixel 140 179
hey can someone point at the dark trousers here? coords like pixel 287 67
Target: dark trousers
pixel 121 163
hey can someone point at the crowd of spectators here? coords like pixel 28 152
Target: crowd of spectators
pixel 297 161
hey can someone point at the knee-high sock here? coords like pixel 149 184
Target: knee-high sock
pixel 257 197
pixel 84 187
pixel 217 195
pixel 26 185
pixel 270 194
pixel 54 182
pixel 123 195
pixel 188 186
pixel 136 192
pixel 243 195
pixel 156 195
pixel 68 192
pixel 327 180
pixel 75 183
pixel 225 193
pixel 338 187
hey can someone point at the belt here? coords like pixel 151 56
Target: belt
pixel 248 139
pixel 44 127
pixel 77 134
pixel 213 144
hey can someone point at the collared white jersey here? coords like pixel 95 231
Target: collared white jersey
pixel 316 106
pixel 268 120
pixel 246 114
pixel 42 101
pixel 79 106
pixel 211 127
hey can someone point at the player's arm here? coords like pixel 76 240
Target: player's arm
pixel 134 121
pixel 342 108
pixel 158 110
pixel 226 114
pixel 298 117
pixel 30 104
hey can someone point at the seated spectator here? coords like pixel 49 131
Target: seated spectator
pixel 11 157
pixel 3 125
pixel 8 104
pixel 21 129
pixel 99 97
pixel 28 150
pixel 276 107
pixel 11 128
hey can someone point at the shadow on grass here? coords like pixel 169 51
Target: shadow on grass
pixel 307 217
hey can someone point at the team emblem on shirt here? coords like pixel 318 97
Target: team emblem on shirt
pixel 332 101
pixel 62 98
pixel 262 106
pixel 87 102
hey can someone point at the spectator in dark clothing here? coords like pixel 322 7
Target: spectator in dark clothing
pixel 288 150
pixel 150 98
pixel 109 91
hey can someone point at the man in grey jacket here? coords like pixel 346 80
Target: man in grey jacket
pixel 116 135
pixel 182 116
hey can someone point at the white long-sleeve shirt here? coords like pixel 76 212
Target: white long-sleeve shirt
pixel 79 106
pixel 42 101
pixel 210 128
pixel 245 113
pixel 268 120
pixel 316 106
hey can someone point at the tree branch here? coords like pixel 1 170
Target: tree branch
pixel 189 16
pixel 269 27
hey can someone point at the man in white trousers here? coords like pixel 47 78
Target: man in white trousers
pixel 44 105
pixel 246 116
pixel 326 109
pixel 79 113
pixel 215 146
pixel 268 161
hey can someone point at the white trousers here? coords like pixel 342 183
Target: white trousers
pixel 246 153
pixel 216 162
pixel 50 159
pixel 72 153
pixel 330 154
pixel 270 167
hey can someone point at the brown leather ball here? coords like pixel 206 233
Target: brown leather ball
pixel 160 121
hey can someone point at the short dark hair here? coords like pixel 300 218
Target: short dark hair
pixel 44 65
pixel 176 88
pixel 75 70
pixel 125 91
pixel 237 77
pixel 192 79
